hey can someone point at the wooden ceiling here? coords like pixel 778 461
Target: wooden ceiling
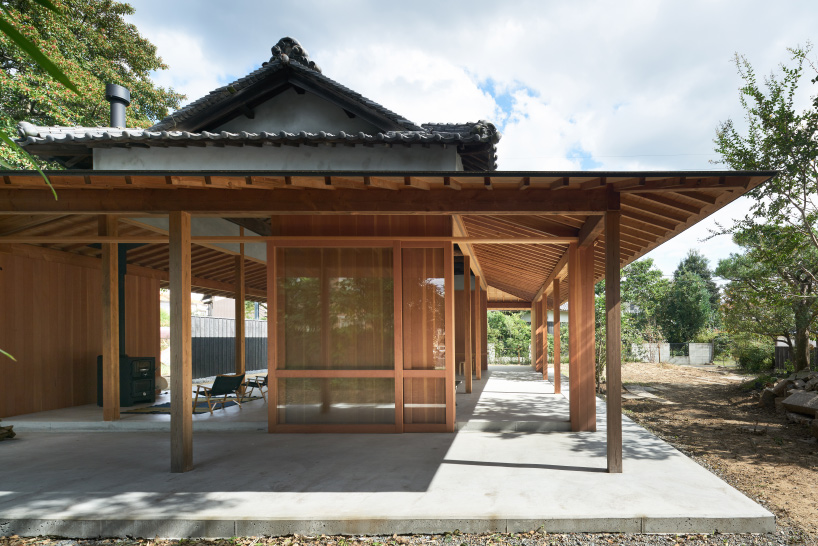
pixel 654 208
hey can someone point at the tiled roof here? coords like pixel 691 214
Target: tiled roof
pixel 299 64
pixel 89 136
pixel 476 141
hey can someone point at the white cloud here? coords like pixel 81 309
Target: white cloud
pixel 637 84
pixel 192 72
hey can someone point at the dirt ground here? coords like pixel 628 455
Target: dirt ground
pixel 710 415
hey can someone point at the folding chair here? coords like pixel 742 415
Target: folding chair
pixel 222 386
pixel 256 383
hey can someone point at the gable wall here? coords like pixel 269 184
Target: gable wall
pixel 294 113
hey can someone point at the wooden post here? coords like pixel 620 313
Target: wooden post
pixel 110 321
pixel 272 338
pixel 587 340
pixel 573 332
pixel 484 320
pixel 468 370
pixel 613 340
pixel 544 324
pixel 181 371
pixel 533 345
pixel 448 288
pixel 397 283
pixel 582 399
pixel 240 297
pixel 478 329
pixel 557 340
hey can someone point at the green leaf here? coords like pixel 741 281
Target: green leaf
pixel 6 165
pixel 13 144
pixel 4 353
pixel 48 5
pixel 35 53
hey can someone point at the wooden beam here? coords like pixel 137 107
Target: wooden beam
pixel 508 305
pixel 559 184
pixel 590 230
pixel 451 184
pixel 181 365
pixel 689 184
pixel 613 342
pixel 240 296
pixel 557 340
pixel 292 240
pixel 110 321
pixel 692 209
pixel 468 368
pixel 563 261
pixel 259 202
pixel 459 230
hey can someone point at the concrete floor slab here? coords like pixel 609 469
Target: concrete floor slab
pixel 251 483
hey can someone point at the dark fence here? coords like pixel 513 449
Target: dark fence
pixel 214 345
pixel 782 356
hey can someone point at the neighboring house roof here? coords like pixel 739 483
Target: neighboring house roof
pixel 290 68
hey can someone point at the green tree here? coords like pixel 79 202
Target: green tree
pixel 696 263
pixel 93 45
pixel 783 222
pixel 779 138
pixel 509 333
pixel 628 331
pixel 773 289
pixel 643 290
pixel 685 308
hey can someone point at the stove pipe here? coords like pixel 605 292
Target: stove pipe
pixel 119 97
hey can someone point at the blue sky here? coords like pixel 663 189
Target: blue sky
pixel 572 85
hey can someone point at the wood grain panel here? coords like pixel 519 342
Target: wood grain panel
pixel 52 323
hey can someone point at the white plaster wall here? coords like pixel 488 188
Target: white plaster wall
pixel 293 113
pixel 338 158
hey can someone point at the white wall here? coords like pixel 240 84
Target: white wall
pixel 285 158
pixel 293 113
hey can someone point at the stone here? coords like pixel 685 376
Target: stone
pixel 799 419
pixel 812 384
pixel 162 383
pixel 814 428
pixel 767 398
pixel 7 432
pixel 799 384
pixel 781 387
pixel 802 402
pixel 779 404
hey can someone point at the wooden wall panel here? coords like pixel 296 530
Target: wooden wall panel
pixel 424 327
pixel 51 322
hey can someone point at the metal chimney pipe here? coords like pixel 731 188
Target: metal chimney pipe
pixel 119 97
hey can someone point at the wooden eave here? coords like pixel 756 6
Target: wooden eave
pixel 524 209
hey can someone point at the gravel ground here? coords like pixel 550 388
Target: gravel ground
pixel 782 536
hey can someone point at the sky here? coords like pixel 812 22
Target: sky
pixel 582 85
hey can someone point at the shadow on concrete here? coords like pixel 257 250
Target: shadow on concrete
pixel 526 465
